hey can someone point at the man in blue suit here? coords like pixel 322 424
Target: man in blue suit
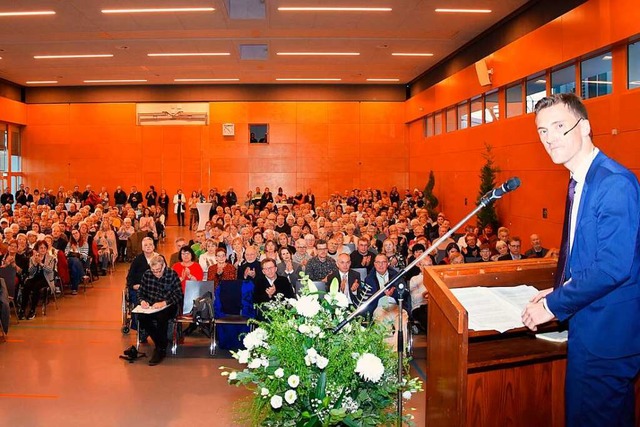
pixel 376 279
pixel 599 290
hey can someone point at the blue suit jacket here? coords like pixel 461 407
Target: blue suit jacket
pixel 602 298
pixel 374 286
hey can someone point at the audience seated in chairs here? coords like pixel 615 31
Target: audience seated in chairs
pixel 77 252
pixel 270 284
pixel 39 277
pixel 288 267
pixel 159 288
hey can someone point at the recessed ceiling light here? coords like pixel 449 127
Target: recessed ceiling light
pixel 106 55
pixel 411 54
pixel 33 13
pixel 318 53
pixel 191 54
pixel 335 9
pixel 297 79
pixel 382 80
pixel 207 80
pixel 160 10
pixel 41 82
pixel 463 10
pixel 117 81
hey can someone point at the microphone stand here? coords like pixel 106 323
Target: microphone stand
pixel 484 201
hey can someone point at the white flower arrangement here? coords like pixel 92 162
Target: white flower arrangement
pixel 304 373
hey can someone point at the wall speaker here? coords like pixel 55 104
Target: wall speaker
pixel 484 73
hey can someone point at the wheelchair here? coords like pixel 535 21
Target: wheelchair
pixel 127 308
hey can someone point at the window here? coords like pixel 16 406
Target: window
pixel 463 116
pixel 596 76
pixel 16 151
pixel 634 65
pixel 563 80
pixel 258 133
pixel 451 119
pixel 514 100
pixel 491 106
pixel 4 141
pixel 536 90
pixel 437 123
pixel 428 126
pixel 476 111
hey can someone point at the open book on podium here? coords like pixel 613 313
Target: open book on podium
pixel 490 374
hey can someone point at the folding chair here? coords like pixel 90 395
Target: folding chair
pixel 194 289
pixel 233 309
pixel 8 274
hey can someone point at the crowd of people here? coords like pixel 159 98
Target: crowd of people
pixel 267 238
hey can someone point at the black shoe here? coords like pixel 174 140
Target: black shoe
pixel 157 357
pixel 21 315
pixel 32 315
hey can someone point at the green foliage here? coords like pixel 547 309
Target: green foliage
pixel 488 172
pixel 430 200
pixel 304 374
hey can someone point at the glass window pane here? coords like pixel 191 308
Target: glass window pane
pixel 596 75
pixel 514 100
pixel 462 116
pixel 564 80
pixel 536 90
pixel 634 65
pixel 428 126
pixel 491 107
pixel 451 119
pixel 437 123
pixel 476 111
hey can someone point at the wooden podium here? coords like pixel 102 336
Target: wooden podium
pixel 484 378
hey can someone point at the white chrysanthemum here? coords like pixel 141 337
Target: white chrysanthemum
pixel 264 361
pixel 279 373
pixel 233 376
pixel 255 338
pixel 255 363
pixel 322 362
pixel 406 395
pixel 369 367
pixel 304 329
pixel 315 330
pixel 264 391
pixel 293 381
pixel 276 401
pixel 242 356
pixel 308 306
pixel 290 396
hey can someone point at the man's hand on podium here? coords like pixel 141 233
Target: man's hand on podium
pixel 536 313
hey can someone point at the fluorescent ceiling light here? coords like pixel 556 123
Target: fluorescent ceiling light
pixel 296 79
pixel 106 55
pixel 41 82
pixel 463 10
pixel 335 9
pixel 161 10
pixel 383 80
pixel 318 53
pixel 117 81
pixel 607 58
pixel 34 13
pixel 191 54
pixel 541 81
pixel 411 54
pixel 597 82
pixel 207 80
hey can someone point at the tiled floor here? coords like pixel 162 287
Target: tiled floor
pixel 64 370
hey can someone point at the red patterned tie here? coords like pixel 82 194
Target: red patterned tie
pixel 561 271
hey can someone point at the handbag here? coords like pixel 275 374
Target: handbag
pixel 203 308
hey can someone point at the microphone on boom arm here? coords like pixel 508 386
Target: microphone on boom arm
pixel 510 185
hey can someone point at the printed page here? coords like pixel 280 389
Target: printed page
pixel 149 310
pixel 519 296
pixel 488 311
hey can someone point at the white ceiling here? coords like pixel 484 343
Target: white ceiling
pixel 79 27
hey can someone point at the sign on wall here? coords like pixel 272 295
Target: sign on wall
pixel 172 114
